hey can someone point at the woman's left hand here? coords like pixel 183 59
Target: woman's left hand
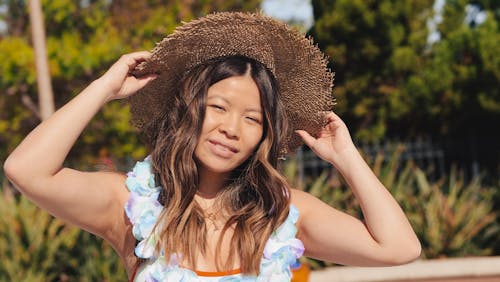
pixel 118 82
pixel 332 141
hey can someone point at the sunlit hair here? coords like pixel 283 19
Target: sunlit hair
pixel 255 199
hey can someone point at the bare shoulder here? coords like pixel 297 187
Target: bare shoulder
pixel 298 195
pixel 303 200
pixel 306 204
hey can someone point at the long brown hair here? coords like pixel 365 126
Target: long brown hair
pixel 256 196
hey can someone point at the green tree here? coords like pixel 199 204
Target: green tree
pixel 83 39
pixel 387 72
pixel 392 81
pixel 457 90
pixel 374 45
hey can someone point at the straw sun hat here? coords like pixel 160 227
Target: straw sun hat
pixel 304 81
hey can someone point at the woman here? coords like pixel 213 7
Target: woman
pixel 219 102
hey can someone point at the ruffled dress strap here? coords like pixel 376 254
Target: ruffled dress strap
pixel 143 208
pixel 282 250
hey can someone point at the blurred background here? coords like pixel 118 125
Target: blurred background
pixel 417 83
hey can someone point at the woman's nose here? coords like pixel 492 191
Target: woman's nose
pixel 230 127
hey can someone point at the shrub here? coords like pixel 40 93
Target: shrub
pixel 34 246
pixel 451 216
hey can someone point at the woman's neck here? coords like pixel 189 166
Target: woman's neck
pixel 211 183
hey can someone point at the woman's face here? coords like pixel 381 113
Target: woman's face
pixel 233 124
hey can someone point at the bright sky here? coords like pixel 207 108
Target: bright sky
pixel 297 10
pixel 473 13
pixel 3 26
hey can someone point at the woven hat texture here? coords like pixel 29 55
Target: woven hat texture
pixel 300 68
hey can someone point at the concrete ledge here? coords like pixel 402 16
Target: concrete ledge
pixel 418 270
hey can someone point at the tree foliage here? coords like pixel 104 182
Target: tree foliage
pixel 83 39
pixel 387 72
pixel 391 80
pixel 374 46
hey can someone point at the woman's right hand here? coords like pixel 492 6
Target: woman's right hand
pixel 118 81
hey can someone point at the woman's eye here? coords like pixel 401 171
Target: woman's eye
pixel 254 119
pixel 217 107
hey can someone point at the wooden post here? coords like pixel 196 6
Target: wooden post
pixel 45 93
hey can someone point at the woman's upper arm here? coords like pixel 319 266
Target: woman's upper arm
pixel 331 235
pixel 94 201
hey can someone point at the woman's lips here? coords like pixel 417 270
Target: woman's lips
pixel 222 149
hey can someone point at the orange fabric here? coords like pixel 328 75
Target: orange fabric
pixel 301 274
pixel 199 273
pixel 217 273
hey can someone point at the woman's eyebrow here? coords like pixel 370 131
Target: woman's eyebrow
pixel 248 109
pixel 215 96
pixel 257 110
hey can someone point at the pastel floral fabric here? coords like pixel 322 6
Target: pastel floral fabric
pixel 143 209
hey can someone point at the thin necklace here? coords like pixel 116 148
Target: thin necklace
pixel 212 217
pixel 210 213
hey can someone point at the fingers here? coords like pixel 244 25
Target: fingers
pixel 332 120
pixel 118 79
pixel 306 137
pixel 138 56
pixel 135 58
pixel 146 79
pixel 331 116
pixel 141 54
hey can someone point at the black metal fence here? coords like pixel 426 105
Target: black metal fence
pixel 425 153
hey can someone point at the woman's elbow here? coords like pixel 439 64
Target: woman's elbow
pixel 15 173
pixel 406 254
pixel 10 168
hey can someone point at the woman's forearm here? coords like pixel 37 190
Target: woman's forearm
pixel 383 216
